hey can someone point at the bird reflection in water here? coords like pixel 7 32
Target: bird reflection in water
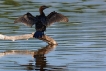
pixel 40 57
pixel 39 63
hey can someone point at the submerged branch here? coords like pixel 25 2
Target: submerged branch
pixel 45 38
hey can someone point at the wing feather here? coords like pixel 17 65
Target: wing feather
pixel 27 19
pixel 56 17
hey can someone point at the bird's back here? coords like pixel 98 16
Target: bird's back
pixel 42 19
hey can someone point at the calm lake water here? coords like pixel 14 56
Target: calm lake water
pixel 81 41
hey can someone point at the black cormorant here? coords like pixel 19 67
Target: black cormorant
pixel 41 21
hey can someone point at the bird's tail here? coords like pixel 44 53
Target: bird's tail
pixel 38 34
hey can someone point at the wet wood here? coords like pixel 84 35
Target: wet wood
pixel 45 38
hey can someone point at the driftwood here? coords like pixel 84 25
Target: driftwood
pixel 45 38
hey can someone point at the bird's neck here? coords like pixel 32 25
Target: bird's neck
pixel 41 11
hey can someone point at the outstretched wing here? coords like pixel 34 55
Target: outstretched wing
pixel 27 19
pixel 56 17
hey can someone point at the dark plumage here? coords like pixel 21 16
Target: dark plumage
pixel 41 21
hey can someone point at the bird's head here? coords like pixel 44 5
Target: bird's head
pixel 43 7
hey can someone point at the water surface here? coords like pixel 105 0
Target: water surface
pixel 81 41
